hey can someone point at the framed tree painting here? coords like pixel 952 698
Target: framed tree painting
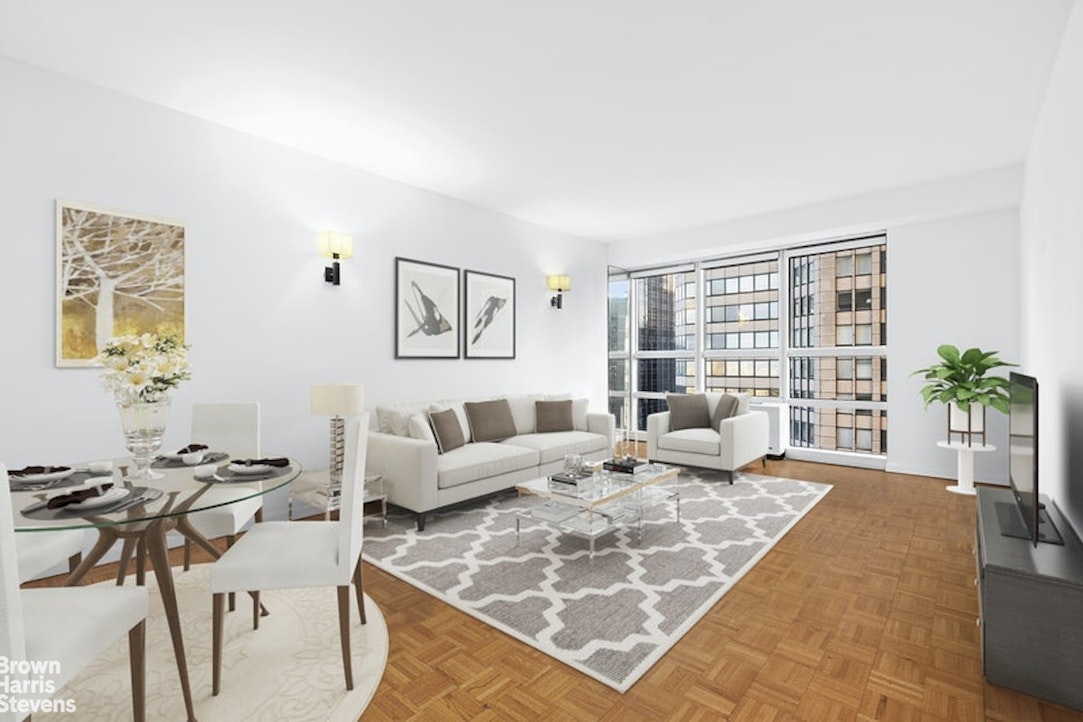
pixel 426 310
pixel 489 318
pixel 117 274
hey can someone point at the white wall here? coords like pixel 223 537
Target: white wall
pixel 955 281
pixel 1052 261
pixel 262 323
pixel 953 249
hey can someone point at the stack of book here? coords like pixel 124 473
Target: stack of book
pixel 564 483
pixel 626 465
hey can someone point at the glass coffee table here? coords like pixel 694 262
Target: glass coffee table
pixel 598 504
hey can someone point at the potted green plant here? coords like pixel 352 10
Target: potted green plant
pixel 961 381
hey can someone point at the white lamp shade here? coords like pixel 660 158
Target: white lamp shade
pixel 337 399
pixel 559 282
pixel 333 243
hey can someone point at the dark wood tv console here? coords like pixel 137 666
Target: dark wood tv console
pixel 1031 606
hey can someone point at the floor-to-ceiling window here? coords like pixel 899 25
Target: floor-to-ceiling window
pixel 741 327
pixel 620 347
pixel 837 358
pixel 805 326
pixel 664 350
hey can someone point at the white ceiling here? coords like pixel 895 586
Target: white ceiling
pixel 609 119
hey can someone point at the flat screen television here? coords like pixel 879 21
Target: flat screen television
pixel 1023 466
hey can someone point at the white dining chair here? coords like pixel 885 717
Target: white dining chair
pixel 290 555
pixel 68 626
pixel 234 429
pixel 38 552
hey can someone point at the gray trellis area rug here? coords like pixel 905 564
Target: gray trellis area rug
pixel 613 616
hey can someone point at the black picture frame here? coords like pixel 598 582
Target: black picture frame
pixel 488 315
pixel 426 310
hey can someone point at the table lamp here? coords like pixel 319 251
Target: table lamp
pixel 337 401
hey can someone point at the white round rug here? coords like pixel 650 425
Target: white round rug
pixel 288 669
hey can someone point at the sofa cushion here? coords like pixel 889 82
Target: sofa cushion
pixel 579 410
pixel 446 428
pixel 460 413
pixel 418 427
pixel 394 418
pixel 692 441
pixel 554 445
pixel 554 416
pixel 522 410
pixel 726 407
pixel 480 461
pixel 688 411
pixel 490 420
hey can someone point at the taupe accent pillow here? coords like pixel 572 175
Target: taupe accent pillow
pixel 553 416
pixel 490 420
pixel 446 428
pixel 727 407
pixel 688 411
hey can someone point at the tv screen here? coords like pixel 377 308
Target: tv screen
pixel 1023 448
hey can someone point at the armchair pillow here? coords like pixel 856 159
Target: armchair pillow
pixel 727 407
pixel 490 420
pixel 688 411
pixel 448 431
pixel 554 416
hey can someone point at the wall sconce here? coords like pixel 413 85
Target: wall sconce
pixel 334 245
pixel 561 283
pixel 336 401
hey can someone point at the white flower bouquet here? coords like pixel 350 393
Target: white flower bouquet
pixel 141 369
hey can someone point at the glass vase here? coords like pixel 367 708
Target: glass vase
pixel 143 425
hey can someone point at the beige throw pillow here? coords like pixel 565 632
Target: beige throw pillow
pixel 727 407
pixel 688 411
pixel 490 420
pixel 553 416
pixel 446 428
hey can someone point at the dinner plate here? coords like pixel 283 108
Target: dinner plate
pixel 54 473
pixel 245 469
pixel 111 496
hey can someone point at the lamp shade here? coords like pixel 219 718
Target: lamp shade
pixel 337 399
pixel 335 245
pixel 559 282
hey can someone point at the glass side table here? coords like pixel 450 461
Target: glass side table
pixel 314 488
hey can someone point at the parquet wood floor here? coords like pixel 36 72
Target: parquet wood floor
pixel 865 611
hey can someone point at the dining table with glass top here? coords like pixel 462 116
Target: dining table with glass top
pixel 140 512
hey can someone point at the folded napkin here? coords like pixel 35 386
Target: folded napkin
pixel 28 470
pixel 192 448
pixel 280 461
pixel 76 497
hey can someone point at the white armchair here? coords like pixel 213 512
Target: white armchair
pixel 737 441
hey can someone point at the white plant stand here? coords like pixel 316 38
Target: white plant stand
pixel 965 469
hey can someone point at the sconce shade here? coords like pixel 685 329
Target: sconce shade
pixel 335 245
pixel 559 282
pixel 337 399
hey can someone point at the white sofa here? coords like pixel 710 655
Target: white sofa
pixel 739 440
pixel 403 449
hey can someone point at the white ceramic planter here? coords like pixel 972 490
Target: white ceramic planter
pixel 957 419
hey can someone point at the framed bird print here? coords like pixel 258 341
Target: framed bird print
pixel 489 315
pixel 426 310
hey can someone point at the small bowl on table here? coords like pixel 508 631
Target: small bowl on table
pixel 192 458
